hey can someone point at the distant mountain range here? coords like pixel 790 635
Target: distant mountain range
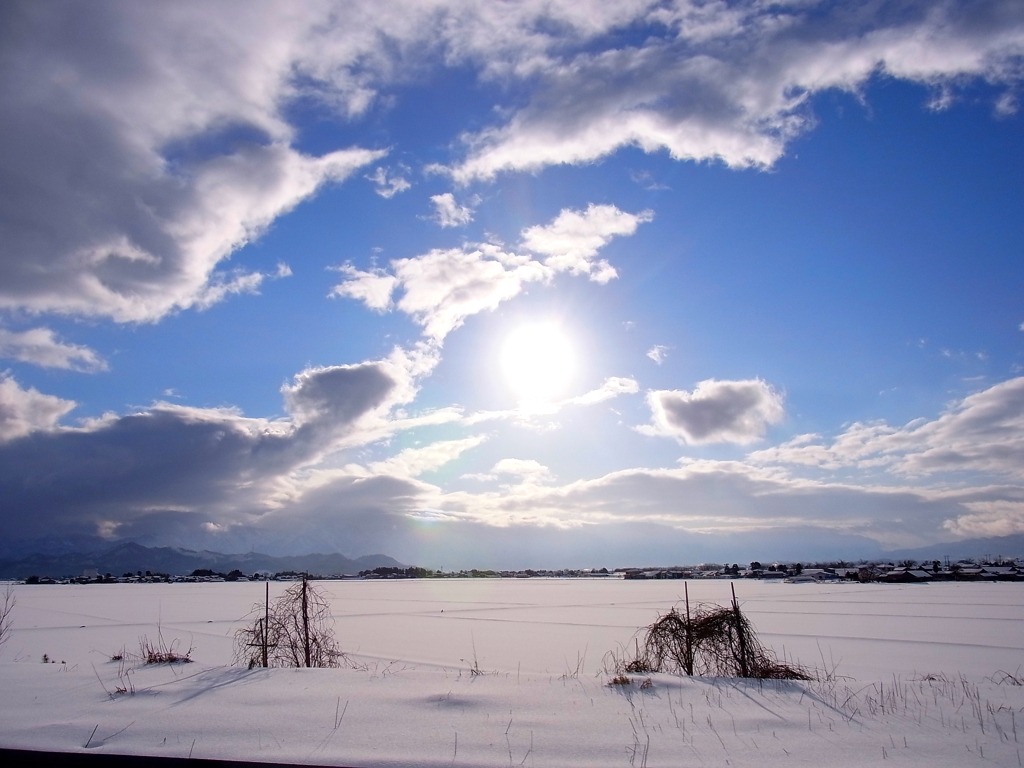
pixel 131 558
pixel 993 546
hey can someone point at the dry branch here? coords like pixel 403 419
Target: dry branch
pixel 6 609
pixel 295 630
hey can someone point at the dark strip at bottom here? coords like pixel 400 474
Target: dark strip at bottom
pixel 14 758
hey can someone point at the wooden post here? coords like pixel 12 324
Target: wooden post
pixel 266 625
pixel 739 632
pixel 305 618
pixel 689 633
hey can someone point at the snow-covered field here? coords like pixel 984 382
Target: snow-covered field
pixel 918 676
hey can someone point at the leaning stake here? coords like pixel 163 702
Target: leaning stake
pixel 739 632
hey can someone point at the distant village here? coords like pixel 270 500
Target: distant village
pixel 906 571
pixel 903 572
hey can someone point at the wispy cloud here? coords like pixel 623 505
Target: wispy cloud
pixel 388 185
pixel 40 346
pixel 413 462
pixel 572 240
pixel 449 213
pixel 658 353
pixel 373 288
pixel 612 387
pixel 23 411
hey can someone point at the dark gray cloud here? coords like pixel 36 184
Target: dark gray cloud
pixel 213 463
pixel 141 146
pixel 327 398
pixel 716 411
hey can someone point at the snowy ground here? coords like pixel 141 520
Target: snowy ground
pixel 918 676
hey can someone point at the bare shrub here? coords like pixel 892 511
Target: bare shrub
pixel 6 609
pixel 710 641
pixel 160 652
pixel 295 630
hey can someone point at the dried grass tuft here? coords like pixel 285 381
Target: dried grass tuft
pixel 1005 678
pixel 709 641
pixel 160 652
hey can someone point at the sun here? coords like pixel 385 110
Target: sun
pixel 537 361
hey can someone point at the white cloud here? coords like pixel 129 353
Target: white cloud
pixel 715 412
pixel 612 387
pixel 984 432
pixel 448 213
pixel 573 239
pixel 40 346
pixel 528 414
pixel 164 473
pixel 444 287
pixel 388 186
pixel 220 285
pixel 23 411
pixel 658 353
pixel 144 108
pixel 734 83
pixel 719 498
pixel 373 288
pixel 530 471
pixel 412 462
pixel 988 518
pixel 170 262
pixel 176 116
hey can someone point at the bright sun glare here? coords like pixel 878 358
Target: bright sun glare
pixel 537 361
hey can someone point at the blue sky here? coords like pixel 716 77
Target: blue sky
pixel 262 270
